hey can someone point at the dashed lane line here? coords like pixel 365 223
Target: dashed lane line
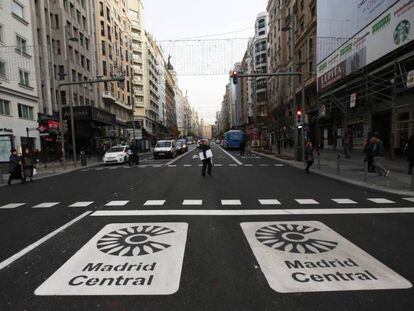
pixel 269 202
pixel 344 201
pixel 306 201
pixel 231 202
pixel 231 156
pixel 154 203
pixel 193 202
pixel 257 212
pixel 46 205
pixel 81 204
pixel 31 247
pixel 12 205
pixel 380 200
pixel 117 203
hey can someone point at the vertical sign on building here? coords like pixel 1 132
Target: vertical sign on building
pixel 123 259
pixel 353 100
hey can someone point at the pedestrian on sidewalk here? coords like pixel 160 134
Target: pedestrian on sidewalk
pixel 15 167
pixel 249 148
pixel 28 165
pixel 377 151
pixel 368 150
pixel 347 145
pixel 309 155
pixel 242 147
pixel 410 154
pixel 206 155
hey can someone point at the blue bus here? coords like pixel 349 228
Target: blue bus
pixel 232 139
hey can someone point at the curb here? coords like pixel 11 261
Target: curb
pixel 339 178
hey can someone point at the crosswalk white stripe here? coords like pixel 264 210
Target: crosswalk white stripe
pixel 248 165
pixel 172 165
pixel 46 205
pixel 117 203
pixel 269 202
pixel 409 199
pixel 306 201
pixel 344 201
pixel 218 165
pixel 81 204
pixel 11 205
pixel 233 165
pixel 380 200
pixel 193 202
pixel 279 165
pixel 289 212
pixel 154 203
pixel 264 165
pixel 231 202
pixel 100 168
pixel 187 165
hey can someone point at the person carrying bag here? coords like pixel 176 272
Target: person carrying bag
pixel 206 156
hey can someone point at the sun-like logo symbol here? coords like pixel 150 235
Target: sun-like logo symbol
pixel 402 32
pixel 293 238
pixel 133 241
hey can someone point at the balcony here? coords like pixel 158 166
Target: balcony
pixel 136 47
pixel 136 25
pixel 138 92
pixel 137 59
pixel 136 37
pixel 109 96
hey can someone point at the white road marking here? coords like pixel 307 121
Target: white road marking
pixel 306 266
pixel 11 205
pixel 270 202
pixel 306 201
pixel 187 165
pixel 193 202
pixel 154 203
pixel 157 165
pixel 231 156
pixel 115 167
pixel 46 205
pixel 233 165
pixel 142 166
pixel 171 165
pixel 258 212
pixel 409 199
pixel 218 165
pixel 279 165
pixel 344 201
pixel 248 165
pixel 81 204
pixel 200 165
pixel 380 200
pixel 230 202
pixel 100 168
pixel 178 158
pixel 117 203
pixel 29 248
pixel 148 263
pixel 264 165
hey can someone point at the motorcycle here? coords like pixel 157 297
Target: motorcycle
pixel 133 158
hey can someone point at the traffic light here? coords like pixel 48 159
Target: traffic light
pixel 299 120
pixel 234 74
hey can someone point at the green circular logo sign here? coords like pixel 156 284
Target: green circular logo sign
pixel 401 32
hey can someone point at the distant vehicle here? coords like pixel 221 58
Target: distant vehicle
pixel 232 139
pixel 181 146
pixel 218 141
pixel 117 154
pixel 165 148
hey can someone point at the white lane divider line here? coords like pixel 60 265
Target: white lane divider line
pixel 157 165
pixel 288 212
pixel 178 158
pixel 231 202
pixel 100 168
pixel 172 165
pixel 270 202
pixel 193 202
pixel 218 165
pixel 81 204
pixel 264 165
pixel 279 165
pixel 409 199
pixel 31 247
pixel 154 203
pixel 233 165
pixel 344 201
pixel 200 165
pixel 11 205
pixel 231 156
pixel 46 205
pixel 380 200
pixel 187 165
pixel 306 201
pixel 248 165
pixel 117 203
pixel 142 166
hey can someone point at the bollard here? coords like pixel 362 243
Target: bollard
pixel 338 165
pixel 319 160
pixel 365 171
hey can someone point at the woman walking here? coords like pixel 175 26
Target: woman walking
pixel 309 155
pixel 28 165
pixel 15 167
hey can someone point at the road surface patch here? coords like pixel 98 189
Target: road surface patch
pixel 46 205
pixel 308 256
pixel 123 259
pixel 12 205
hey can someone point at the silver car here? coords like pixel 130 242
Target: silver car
pixel 165 148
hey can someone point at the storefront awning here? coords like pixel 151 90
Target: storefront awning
pixel 86 113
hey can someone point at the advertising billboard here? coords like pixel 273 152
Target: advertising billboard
pixel 339 20
pixel 389 31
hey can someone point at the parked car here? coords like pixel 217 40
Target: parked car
pixel 165 148
pixel 181 146
pixel 117 154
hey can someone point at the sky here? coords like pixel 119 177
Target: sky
pixel 177 19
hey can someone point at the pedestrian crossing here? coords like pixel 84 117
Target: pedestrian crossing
pixel 200 202
pixel 112 168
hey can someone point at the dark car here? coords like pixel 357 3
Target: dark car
pixel 181 145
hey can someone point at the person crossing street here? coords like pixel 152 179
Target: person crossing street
pixel 206 156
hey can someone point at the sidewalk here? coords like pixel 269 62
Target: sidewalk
pixel 56 168
pixel 352 171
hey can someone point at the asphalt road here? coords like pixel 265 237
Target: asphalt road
pixel 205 260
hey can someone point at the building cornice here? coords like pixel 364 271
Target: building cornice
pixel 18 94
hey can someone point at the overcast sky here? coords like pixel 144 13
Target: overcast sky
pixel 176 19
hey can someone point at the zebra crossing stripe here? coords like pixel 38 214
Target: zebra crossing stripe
pixel 154 203
pixel 279 165
pixel 187 165
pixel 218 165
pixel 233 165
pixel 264 165
pixel 231 202
pixel 344 201
pixel 248 165
pixel 270 202
pixel 117 203
pixel 409 199
pixel 380 200
pixel 81 204
pixel 11 205
pixel 46 205
pixel 306 201
pixel 193 202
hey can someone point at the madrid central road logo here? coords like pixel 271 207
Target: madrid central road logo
pixel 134 241
pixel 293 238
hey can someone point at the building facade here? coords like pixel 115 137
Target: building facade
pixel 19 102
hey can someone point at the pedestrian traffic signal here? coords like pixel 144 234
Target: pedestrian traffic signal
pixel 234 74
pixel 299 118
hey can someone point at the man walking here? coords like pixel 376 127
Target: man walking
pixel 377 151
pixel 15 167
pixel 206 156
pixel 242 147
pixel 309 155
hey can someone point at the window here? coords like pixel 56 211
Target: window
pixel 17 9
pixel 24 77
pixel 25 112
pixel 3 69
pixel 5 107
pixel 21 44
pixel 1 33
pixel 101 9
